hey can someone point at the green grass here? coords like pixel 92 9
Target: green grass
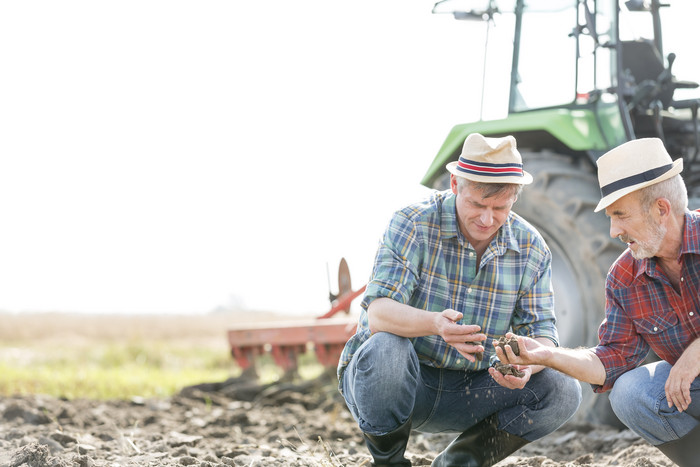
pixel 122 356
pixel 110 370
pixel 100 383
pixel 113 370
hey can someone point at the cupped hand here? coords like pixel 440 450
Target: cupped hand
pixel 531 351
pixel 465 338
pixel 510 381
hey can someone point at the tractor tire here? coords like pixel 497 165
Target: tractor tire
pixel 559 204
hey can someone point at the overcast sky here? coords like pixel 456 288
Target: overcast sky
pixel 175 157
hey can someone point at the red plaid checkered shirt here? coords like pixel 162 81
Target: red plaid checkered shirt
pixel 644 312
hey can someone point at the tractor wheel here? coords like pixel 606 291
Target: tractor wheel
pixel 560 203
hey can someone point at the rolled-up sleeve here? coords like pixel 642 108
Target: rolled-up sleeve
pixel 396 266
pixel 621 348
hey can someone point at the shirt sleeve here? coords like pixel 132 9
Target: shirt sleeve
pixel 396 265
pixel 621 348
pixel 534 314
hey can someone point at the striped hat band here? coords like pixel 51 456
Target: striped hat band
pixel 489 169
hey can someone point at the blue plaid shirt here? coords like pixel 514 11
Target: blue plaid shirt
pixel 424 261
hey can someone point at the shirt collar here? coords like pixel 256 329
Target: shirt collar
pixel 691 233
pixel 448 216
pixel 690 243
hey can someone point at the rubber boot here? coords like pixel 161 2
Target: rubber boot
pixel 684 451
pixel 389 449
pixel 480 446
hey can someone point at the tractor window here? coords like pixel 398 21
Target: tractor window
pixel 595 63
pixel 547 62
pixel 645 60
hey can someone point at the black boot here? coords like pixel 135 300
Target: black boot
pixel 388 449
pixel 480 446
pixel 684 451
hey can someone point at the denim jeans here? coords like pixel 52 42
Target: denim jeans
pixel 384 385
pixel 638 399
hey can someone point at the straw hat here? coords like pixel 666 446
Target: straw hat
pixel 634 165
pixel 490 160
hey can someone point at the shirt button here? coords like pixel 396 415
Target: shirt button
pixel 471 255
pixel 469 290
pixel 691 313
pixel 459 361
pixel 655 329
pixel 682 279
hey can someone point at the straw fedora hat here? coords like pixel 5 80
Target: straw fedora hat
pixel 490 160
pixel 634 165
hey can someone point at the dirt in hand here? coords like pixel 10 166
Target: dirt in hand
pixel 511 341
pixel 506 369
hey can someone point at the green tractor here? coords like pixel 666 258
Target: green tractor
pixel 580 84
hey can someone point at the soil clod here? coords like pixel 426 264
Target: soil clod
pixel 507 369
pixel 511 341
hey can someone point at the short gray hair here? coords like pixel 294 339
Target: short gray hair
pixel 490 189
pixel 672 189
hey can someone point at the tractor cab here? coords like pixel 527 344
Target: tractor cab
pixel 589 74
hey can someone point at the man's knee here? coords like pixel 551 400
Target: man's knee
pixel 627 397
pixel 388 357
pixel 564 392
pixel 620 393
pixel 381 383
pixel 552 398
pixel 570 395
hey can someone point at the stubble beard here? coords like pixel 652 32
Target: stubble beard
pixel 648 248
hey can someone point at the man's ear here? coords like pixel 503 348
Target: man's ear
pixel 663 207
pixel 453 183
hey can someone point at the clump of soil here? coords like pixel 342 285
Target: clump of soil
pixel 242 423
pixel 511 341
pixel 507 369
pixel 504 368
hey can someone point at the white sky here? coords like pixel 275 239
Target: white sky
pixel 174 157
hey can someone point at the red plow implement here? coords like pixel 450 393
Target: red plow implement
pixel 284 341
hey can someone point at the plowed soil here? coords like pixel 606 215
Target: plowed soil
pixel 236 422
pixel 244 424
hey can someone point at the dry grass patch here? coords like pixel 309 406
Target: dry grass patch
pixel 114 356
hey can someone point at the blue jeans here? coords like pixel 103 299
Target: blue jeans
pixel 639 401
pixel 384 385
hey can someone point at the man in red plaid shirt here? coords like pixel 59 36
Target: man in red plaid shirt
pixel 652 303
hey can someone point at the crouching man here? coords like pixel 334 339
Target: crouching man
pixel 652 302
pixel 451 271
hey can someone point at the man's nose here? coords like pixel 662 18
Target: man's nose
pixel 615 231
pixel 486 217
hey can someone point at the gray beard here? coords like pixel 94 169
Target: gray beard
pixel 651 247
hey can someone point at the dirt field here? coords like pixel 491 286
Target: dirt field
pixel 237 422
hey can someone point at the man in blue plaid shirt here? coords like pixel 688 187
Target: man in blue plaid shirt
pixel 451 274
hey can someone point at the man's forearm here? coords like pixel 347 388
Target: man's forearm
pixel 582 364
pixel 388 315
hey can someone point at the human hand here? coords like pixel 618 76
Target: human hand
pixel 531 352
pixel 511 381
pixel 465 338
pixel 682 374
